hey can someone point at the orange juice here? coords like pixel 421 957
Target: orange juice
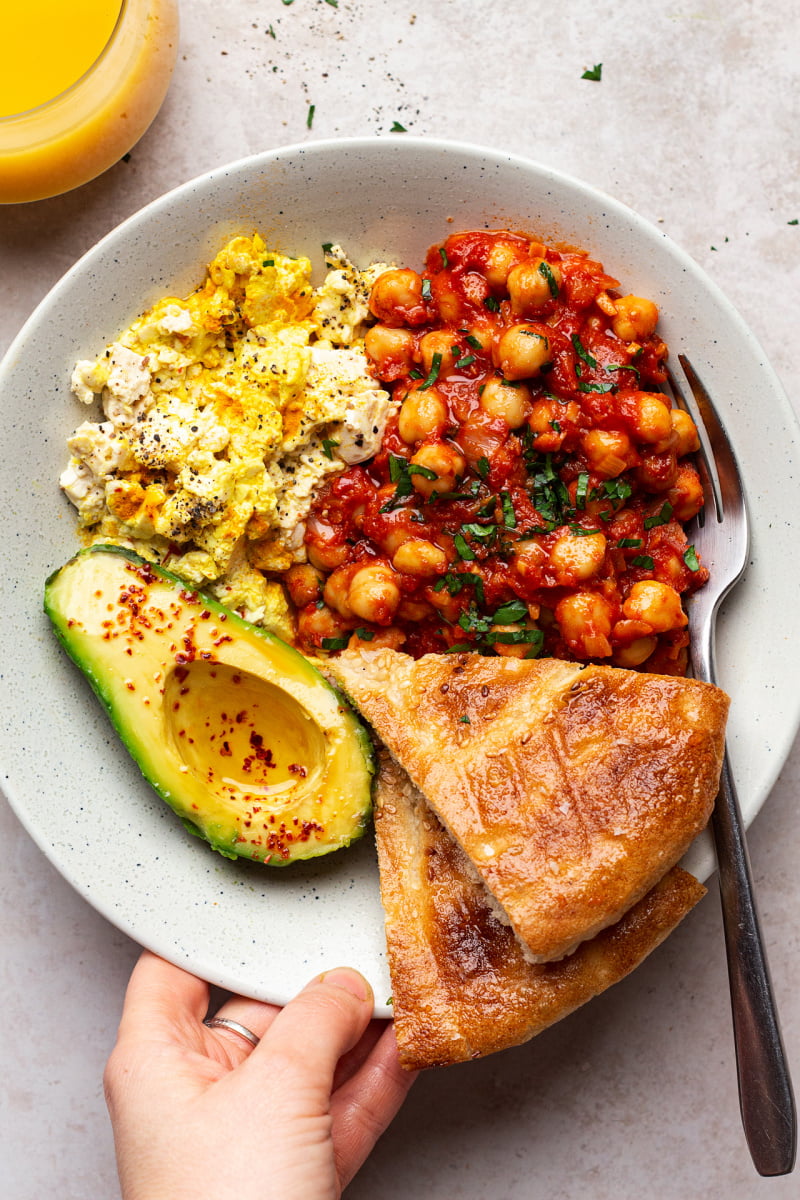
pixel 80 81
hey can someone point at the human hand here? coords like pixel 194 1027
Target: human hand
pixel 199 1114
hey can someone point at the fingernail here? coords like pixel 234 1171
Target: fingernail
pixel 349 980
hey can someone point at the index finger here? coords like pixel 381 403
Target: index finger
pixel 160 999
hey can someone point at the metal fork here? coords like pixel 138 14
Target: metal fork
pixel 721 537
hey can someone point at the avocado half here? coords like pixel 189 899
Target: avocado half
pixel 239 733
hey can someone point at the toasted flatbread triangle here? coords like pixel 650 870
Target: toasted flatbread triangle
pixel 461 985
pixel 572 790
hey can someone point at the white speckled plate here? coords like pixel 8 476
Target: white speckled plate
pixel 248 928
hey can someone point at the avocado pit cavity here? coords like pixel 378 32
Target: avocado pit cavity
pixel 241 736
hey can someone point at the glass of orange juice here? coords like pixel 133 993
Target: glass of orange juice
pixel 80 81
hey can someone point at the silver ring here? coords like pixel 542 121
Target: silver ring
pixel 234 1026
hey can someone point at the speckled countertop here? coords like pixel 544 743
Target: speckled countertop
pixel 695 123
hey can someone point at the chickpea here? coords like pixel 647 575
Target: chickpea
pixel 635 318
pixel 650 417
pixel 304 584
pixel 396 298
pixel 584 619
pixel 608 452
pixel 657 604
pixel 549 421
pixel 449 303
pixel 415 610
pixel 522 351
pixel 502 257
pixel 636 653
pixel 529 285
pixel 314 624
pixel 685 431
pixel 657 472
pixel 391 351
pixel 423 414
pixel 510 402
pixel 337 588
pixel 324 552
pixel 441 342
pixel 574 558
pixel 442 602
pixel 445 461
pixel 374 594
pixel 419 557
pixel 393 537
pixel 390 638
pixel 482 334
pixel 686 493
pixel 529 558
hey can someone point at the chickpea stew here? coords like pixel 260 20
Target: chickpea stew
pixel 531 489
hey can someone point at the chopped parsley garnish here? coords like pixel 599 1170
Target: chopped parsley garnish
pixel 465 719
pixel 595 73
pixel 465 360
pixel 548 492
pixel 474 342
pixel 433 374
pixel 271 32
pixel 661 518
pixel 629 543
pixel 644 561
pixel 397 128
pixel 443 256
pixel 691 559
pixel 623 367
pixel 582 352
pixel 328 445
pixel 463 549
pixel 595 387
pixel 268 262
pixel 458 648
pixel 515 637
pixel 509 516
pixel 515 610
pixel 400 472
pixel 481 533
pixel 492 304
pixel 613 489
pixel 579 531
pixel 545 269
pixel 327 247
pixel 455 583
pixel 312 108
pixel 334 643
pixel 366 635
pixel 582 490
pixel 426 289
pixel 483 466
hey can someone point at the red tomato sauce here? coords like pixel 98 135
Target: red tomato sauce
pixel 532 488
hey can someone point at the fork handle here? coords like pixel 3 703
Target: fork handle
pixel 765 1090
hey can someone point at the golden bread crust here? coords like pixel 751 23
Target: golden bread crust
pixel 572 789
pixel 462 987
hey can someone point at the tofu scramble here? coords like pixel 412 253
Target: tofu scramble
pixel 224 412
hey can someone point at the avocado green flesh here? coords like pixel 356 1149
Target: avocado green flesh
pixel 240 735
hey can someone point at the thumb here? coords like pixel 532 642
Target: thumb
pixel 314 1030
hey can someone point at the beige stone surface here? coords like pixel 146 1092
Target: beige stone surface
pixel 696 125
